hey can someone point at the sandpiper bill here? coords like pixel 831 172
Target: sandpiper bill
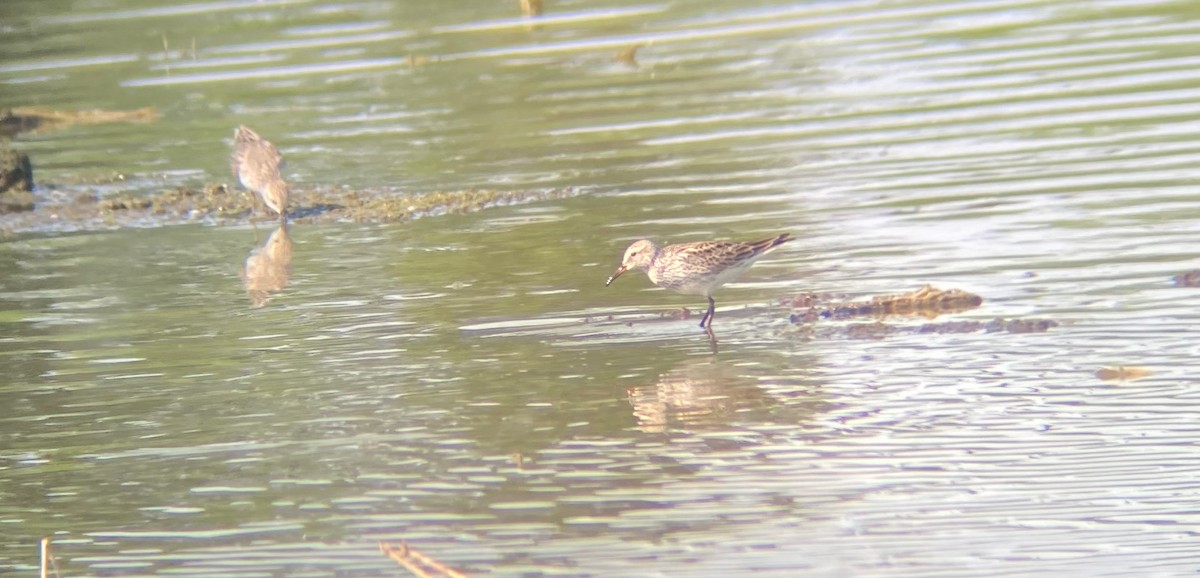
pixel 256 163
pixel 695 268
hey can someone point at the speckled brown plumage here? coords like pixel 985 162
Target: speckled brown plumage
pixel 256 163
pixel 695 268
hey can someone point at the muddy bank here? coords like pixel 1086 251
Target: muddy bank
pixel 37 119
pixel 86 206
pixel 223 204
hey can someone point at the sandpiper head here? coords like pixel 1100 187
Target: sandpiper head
pixel 276 194
pixel 639 255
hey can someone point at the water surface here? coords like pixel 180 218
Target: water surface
pixel 200 400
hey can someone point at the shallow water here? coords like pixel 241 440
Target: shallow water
pixel 466 383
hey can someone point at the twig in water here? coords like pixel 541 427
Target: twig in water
pixel 48 560
pixel 417 563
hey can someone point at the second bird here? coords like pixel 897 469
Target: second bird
pixel 256 163
pixel 695 268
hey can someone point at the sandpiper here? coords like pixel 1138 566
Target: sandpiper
pixel 695 268
pixel 256 163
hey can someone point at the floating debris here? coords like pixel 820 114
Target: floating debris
pixel 1122 373
pixel 928 302
pixel 628 55
pixel 419 564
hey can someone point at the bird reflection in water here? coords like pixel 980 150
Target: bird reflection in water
pixel 268 267
pixel 700 393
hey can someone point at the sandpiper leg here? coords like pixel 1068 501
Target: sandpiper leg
pixel 706 321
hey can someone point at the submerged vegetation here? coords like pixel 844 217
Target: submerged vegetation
pixel 220 203
pixel 35 119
